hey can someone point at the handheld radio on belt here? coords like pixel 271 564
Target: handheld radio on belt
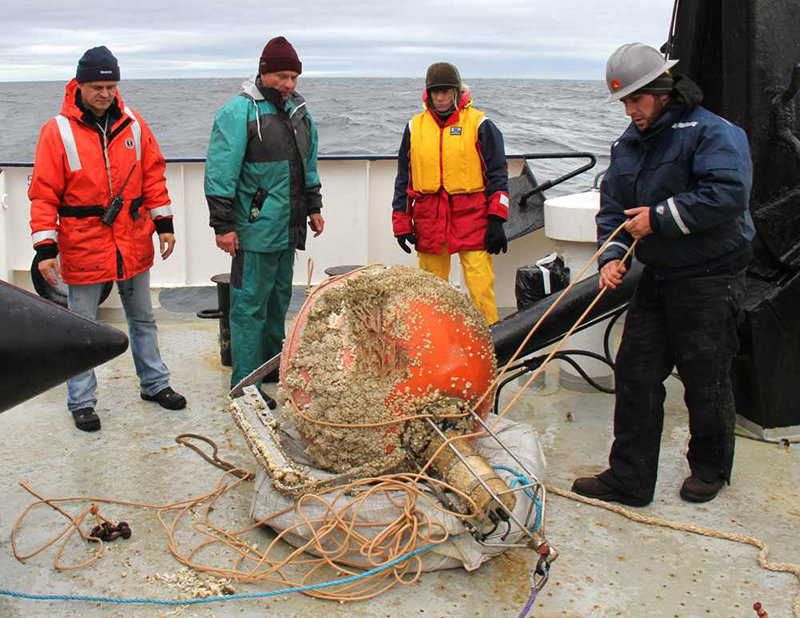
pixel 110 213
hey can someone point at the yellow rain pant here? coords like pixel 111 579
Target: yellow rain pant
pixel 478 277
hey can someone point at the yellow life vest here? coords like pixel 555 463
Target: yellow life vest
pixel 446 157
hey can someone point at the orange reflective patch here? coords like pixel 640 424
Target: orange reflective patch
pixel 615 85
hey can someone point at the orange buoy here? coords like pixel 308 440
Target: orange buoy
pixel 377 345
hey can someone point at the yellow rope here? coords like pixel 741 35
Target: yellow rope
pixel 309 273
pixel 780 567
pixel 399 536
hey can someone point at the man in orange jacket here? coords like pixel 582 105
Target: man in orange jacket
pixel 451 189
pixel 97 194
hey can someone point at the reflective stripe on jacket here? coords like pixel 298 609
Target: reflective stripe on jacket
pixel 693 169
pixel 446 156
pixel 73 183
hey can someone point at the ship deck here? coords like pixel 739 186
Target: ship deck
pixel 609 566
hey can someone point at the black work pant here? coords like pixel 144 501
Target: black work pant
pixel 690 324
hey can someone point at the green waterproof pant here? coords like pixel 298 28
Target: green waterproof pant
pixel 261 288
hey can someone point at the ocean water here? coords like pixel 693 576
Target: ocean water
pixel 354 115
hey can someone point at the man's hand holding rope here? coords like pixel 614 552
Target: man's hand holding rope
pixel 638 225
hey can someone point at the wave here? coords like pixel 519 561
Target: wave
pixel 354 116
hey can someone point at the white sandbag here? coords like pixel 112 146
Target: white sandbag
pixel 461 549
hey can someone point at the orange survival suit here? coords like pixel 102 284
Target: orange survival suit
pixel 78 168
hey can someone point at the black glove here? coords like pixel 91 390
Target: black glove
pixel 495 239
pixel 403 239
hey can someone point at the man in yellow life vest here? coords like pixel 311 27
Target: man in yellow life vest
pixel 451 190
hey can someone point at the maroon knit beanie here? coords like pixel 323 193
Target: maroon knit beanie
pixel 279 55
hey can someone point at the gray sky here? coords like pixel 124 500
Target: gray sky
pixel 43 39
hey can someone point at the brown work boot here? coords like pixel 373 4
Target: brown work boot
pixel 595 487
pixel 695 489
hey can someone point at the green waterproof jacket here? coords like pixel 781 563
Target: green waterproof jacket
pixel 261 169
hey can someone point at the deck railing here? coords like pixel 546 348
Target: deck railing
pixel 357 195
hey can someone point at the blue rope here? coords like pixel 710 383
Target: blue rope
pixel 521 479
pixel 230 597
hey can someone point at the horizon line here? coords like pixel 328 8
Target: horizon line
pixel 466 79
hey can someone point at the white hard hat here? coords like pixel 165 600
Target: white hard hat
pixel 632 67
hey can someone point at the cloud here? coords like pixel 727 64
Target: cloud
pixel 43 39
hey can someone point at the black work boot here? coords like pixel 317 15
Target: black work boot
pixel 167 398
pixel 595 487
pixel 271 403
pixel 695 489
pixel 86 419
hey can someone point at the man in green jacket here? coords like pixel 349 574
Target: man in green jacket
pixel 261 186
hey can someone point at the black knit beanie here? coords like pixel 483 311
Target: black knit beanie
pixel 97 65
pixel 662 84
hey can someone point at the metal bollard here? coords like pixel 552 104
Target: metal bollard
pixel 221 313
pixel 335 271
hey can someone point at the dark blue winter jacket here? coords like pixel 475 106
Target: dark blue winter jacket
pixel 694 170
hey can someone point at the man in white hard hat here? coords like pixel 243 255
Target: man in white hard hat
pixel 679 180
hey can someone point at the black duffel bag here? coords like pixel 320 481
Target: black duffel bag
pixel 536 281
